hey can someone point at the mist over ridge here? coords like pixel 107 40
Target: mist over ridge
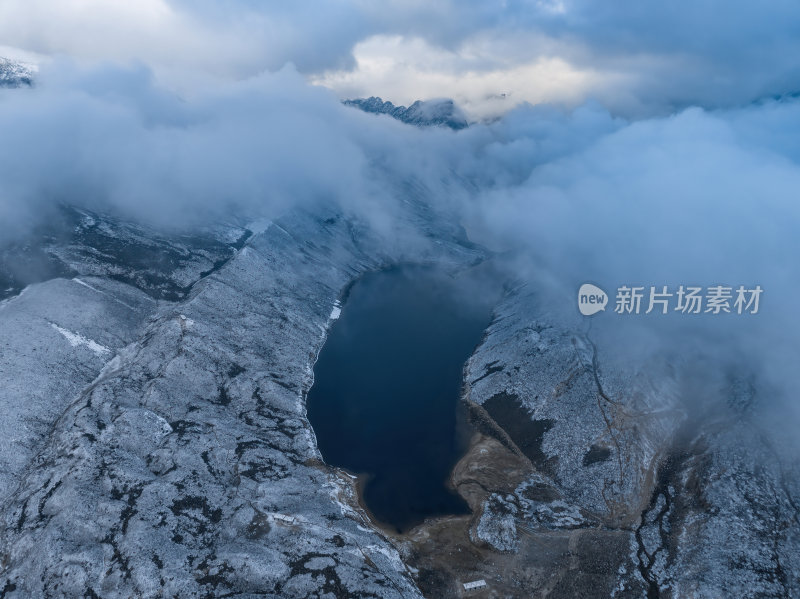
pixel 236 242
pixel 698 197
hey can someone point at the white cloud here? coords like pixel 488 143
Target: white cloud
pixel 166 37
pixel 702 194
pixel 478 76
pixel 701 197
pixel 636 61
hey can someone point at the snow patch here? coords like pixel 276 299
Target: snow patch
pixel 96 290
pixel 338 489
pixel 336 312
pixel 76 340
pixel 391 555
pixel 259 226
pixel 8 300
pixel 85 284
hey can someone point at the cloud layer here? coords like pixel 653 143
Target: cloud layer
pixel 699 197
pixel 667 153
pixel 637 60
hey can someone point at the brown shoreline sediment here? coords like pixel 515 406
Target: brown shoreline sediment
pixel 444 551
pixel 441 551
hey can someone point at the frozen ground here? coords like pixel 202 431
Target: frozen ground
pixel 180 461
pixel 154 440
pixel 706 499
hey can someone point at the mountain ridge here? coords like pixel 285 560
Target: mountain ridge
pixel 15 74
pixel 422 113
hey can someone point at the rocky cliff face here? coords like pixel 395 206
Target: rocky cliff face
pixel 155 441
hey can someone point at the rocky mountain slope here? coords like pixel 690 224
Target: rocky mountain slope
pixel 166 449
pixel 648 486
pixel 155 441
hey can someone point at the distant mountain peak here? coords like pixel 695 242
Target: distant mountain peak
pixel 427 113
pixel 14 74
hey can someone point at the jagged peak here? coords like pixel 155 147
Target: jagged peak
pixel 15 74
pixel 422 113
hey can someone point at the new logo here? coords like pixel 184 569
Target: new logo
pixel 591 299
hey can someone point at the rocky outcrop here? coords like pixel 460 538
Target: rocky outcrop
pixel 178 460
pixel 80 243
pixel 705 503
pixel 155 440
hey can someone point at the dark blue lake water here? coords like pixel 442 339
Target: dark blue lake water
pixel 387 386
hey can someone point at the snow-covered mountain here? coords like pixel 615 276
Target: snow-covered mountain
pixel 14 74
pixel 421 113
pixel 155 440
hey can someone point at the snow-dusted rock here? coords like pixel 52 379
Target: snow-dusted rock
pixel 187 466
pixel 15 74
pixel 155 440
pixel 707 502
pixel 56 338
pixel 442 112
